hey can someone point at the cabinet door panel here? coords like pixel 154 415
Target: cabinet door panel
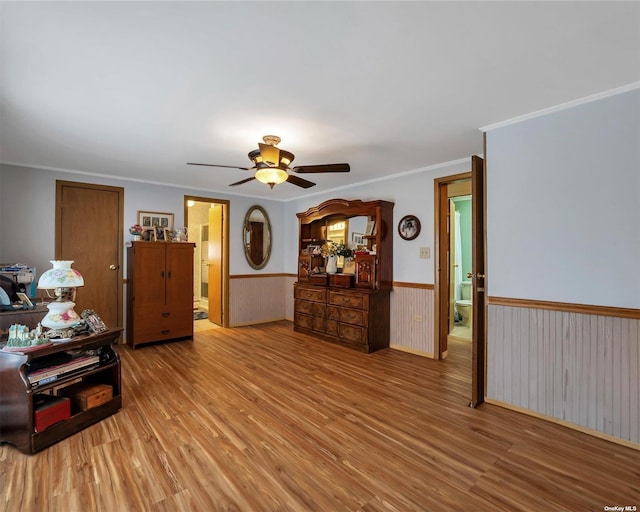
pixel 179 273
pixel 149 272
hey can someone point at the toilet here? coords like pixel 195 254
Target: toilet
pixel 464 305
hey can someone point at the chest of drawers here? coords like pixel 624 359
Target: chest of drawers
pixel 357 318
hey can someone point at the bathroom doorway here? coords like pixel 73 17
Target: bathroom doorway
pixel 207 226
pixel 459 270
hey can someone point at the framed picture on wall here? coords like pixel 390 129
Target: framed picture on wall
pixel 409 227
pixel 160 220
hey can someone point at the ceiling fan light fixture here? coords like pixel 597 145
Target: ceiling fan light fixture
pixel 271 176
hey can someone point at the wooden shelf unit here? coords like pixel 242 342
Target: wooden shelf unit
pixel 357 317
pixel 16 399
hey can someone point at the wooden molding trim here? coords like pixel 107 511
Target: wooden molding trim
pixel 421 286
pixel 568 307
pixel 567 424
pixel 253 276
pixel 413 351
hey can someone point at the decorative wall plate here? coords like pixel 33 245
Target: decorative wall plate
pixel 409 227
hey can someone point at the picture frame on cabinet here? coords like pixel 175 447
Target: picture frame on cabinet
pixel 357 239
pixel 155 220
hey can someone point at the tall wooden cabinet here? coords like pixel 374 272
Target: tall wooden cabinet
pixel 352 312
pixel 159 291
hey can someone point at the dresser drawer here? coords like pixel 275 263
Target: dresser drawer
pixel 310 308
pixel 353 316
pixel 156 324
pixel 353 333
pixel 354 300
pixel 301 320
pixel 304 306
pixel 316 295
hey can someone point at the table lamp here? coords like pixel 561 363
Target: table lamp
pixel 63 280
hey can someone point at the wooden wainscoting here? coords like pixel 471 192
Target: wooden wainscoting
pixel 256 298
pixel 574 364
pixel 261 419
pixel 412 309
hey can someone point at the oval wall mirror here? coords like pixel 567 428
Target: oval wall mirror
pixel 256 237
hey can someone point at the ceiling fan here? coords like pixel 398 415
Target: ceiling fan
pixel 271 165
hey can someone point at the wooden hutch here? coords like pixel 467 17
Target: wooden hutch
pixel 352 310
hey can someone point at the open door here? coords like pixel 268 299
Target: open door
pixel 207 220
pixel 478 179
pixel 215 258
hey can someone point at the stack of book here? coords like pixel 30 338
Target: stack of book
pixel 52 373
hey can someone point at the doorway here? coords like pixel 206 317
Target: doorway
pixel 207 223
pixel 459 288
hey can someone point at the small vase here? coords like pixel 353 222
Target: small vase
pixel 332 264
pixel 137 237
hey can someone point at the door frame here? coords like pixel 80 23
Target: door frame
pixel 442 277
pixel 58 241
pixel 225 246
pixel 442 270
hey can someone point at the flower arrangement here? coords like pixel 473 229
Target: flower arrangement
pixel 343 250
pixel 136 229
pixel 332 249
pixel 328 249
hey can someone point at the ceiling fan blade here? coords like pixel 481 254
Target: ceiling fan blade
pixel 242 181
pixel 218 165
pixel 322 168
pixel 301 182
pixel 270 154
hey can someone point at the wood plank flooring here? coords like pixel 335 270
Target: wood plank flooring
pixel 265 419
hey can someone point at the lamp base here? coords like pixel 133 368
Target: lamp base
pixel 60 316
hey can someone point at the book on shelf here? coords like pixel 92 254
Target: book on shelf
pixel 52 373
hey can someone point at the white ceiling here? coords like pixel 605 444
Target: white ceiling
pixel 137 89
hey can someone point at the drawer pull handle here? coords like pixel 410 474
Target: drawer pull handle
pixel 165 331
pixel 165 314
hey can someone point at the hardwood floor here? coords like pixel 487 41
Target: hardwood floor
pixel 265 419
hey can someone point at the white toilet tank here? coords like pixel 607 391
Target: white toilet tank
pixel 466 290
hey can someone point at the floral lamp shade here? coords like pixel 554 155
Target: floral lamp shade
pixel 60 276
pixel 63 279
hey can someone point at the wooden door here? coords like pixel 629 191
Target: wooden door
pixel 89 231
pixel 216 243
pixel 149 274
pixel 179 275
pixel 256 234
pixel 478 178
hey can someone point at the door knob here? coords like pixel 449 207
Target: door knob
pixel 113 267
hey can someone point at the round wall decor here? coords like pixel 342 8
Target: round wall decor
pixel 409 227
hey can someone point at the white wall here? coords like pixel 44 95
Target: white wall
pixel 27 215
pixel 563 205
pixel 563 220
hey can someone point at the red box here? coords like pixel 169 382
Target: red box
pixel 48 409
